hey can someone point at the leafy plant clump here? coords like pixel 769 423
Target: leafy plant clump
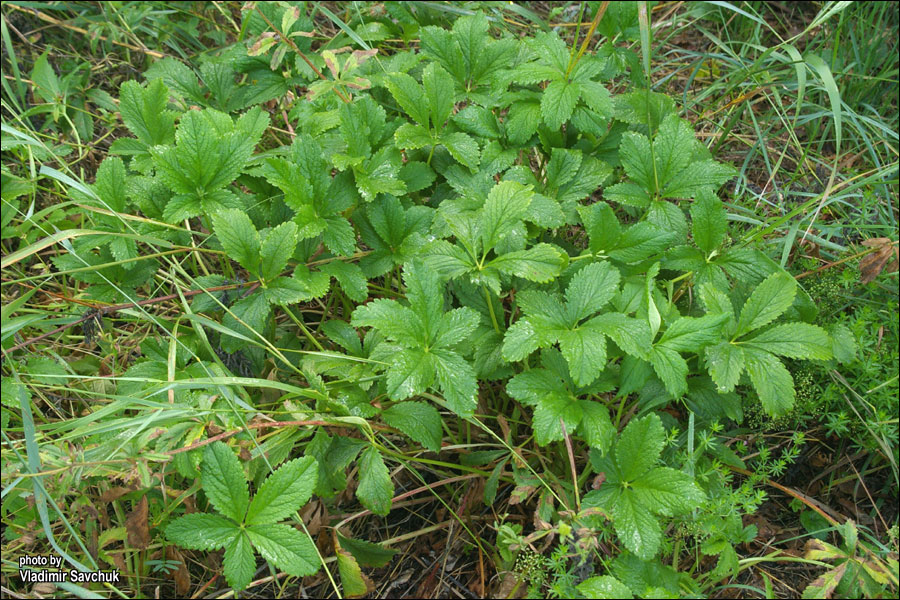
pixel 400 263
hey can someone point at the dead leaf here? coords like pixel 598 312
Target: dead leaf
pixel 825 584
pixel 43 590
pixel 512 585
pixel 504 426
pixel 315 515
pixel 874 263
pixel 181 575
pixel 114 493
pixel 119 562
pixel 138 525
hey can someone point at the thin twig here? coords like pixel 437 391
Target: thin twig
pixel 102 310
pixel 296 49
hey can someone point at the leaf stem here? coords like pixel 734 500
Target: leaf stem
pixel 296 49
pixel 303 328
pixel 587 37
pixel 487 298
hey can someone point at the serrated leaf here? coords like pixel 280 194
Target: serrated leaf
pixel 522 121
pixel 198 531
pixel 636 527
pixel 715 300
pixel 375 489
pixel 506 205
pixel 629 194
pixel 540 263
pixel 690 334
pixel 239 562
pixel 409 136
pixel 411 372
pixel 367 553
pixel 725 362
pixel 558 102
pixel 339 236
pixel 455 326
pixel 410 96
pixel 418 420
pixel 355 583
pixel 584 348
pixel 288 549
pixel 417 176
pixel 603 587
pixel 671 369
pixel 635 153
pixel 350 277
pixel 425 295
pixel 597 97
pixel 771 380
pixel 520 340
pixel 563 166
pixel 843 343
pixel 380 175
pixel 457 381
pixel 291 290
pixel 671 149
pixel 110 184
pixel 276 250
pixel 396 322
pixel 699 177
pixel 144 112
pixel 596 427
pixel 631 335
pixel 767 302
pixel 708 222
pixel 462 147
pixel 639 446
pixel 591 289
pixel 477 120
pixel 247 317
pixel 238 237
pixel 667 491
pixel 223 481
pixel 793 340
pixel 439 94
pixel 284 492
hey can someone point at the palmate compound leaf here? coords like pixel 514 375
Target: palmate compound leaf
pixel 281 494
pixel 554 402
pixel 548 321
pixel 426 335
pixel 636 490
pixel 757 351
pixel 665 167
pixel 210 152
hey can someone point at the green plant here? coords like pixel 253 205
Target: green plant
pixel 854 573
pixel 533 266
pixel 244 525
